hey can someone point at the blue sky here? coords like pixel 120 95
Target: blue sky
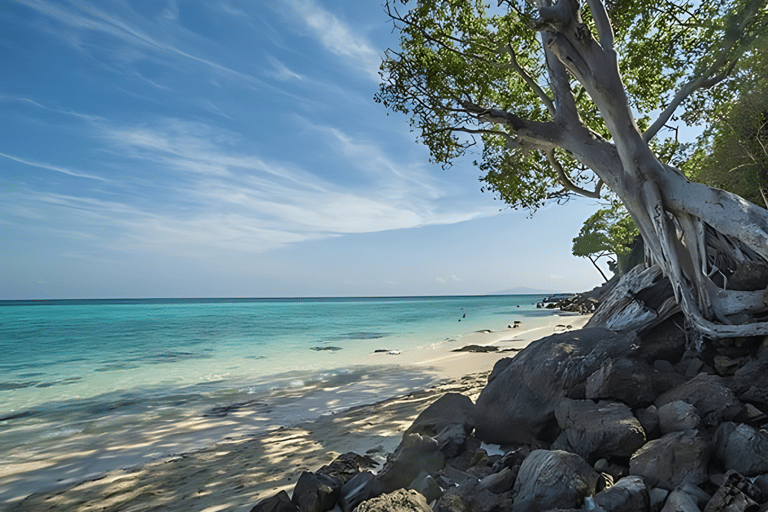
pixel 193 149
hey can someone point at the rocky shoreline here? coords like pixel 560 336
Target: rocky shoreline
pixel 584 420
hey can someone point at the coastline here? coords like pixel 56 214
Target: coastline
pixel 235 471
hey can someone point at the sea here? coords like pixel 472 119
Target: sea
pixel 87 386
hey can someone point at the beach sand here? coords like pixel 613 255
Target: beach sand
pixel 236 472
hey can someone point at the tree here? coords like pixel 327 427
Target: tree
pixel 608 233
pixel 733 152
pixel 549 90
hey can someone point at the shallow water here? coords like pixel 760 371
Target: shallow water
pixel 97 385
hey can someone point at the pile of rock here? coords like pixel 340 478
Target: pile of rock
pixel 584 420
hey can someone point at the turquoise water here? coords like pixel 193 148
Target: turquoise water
pixel 76 373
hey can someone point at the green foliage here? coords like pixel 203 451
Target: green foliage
pixel 733 152
pixel 456 53
pixel 609 232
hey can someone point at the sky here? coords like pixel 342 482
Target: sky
pixel 224 148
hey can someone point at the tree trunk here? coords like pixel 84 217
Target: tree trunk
pixel 691 231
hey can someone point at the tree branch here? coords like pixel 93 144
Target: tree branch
pixel 603 24
pixel 708 78
pixel 530 81
pixel 567 183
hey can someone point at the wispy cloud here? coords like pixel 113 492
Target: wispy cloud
pixel 337 37
pixel 86 16
pixel 281 72
pixel 55 168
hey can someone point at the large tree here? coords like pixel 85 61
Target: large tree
pixel 557 96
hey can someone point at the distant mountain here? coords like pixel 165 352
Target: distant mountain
pixel 521 290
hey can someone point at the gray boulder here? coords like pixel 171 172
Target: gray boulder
pixel 499 482
pixel 713 400
pixel 553 479
pixel 518 403
pixel 685 499
pixel 742 448
pixel 736 494
pixel 346 466
pixel 478 498
pixel 358 489
pixel 602 430
pixel 315 492
pixel 427 486
pixel 649 419
pixel 671 460
pixel 449 409
pixel 414 454
pixel 630 494
pixel 451 440
pixel 677 416
pixel 400 500
pixel 631 381
pixel 751 381
pixel 280 502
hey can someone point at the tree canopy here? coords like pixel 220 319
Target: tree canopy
pixel 554 99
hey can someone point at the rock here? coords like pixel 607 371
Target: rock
pixel 713 400
pixel 400 500
pixel 315 492
pixel 649 419
pixel 553 479
pixel 517 405
pixel 658 498
pixel 451 440
pixel 346 466
pixel 736 494
pixel 677 416
pixel 633 382
pixel 477 348
pixel 749 276
pixel 750 382
pixel 499 482
pixel 673 459
pixel 280 502
pixel 466 458
pixel 663 366
pixel 742 448
pixel 414 454
pixel 449 409
pixel 480 499
pixel 629 494
pixel 727 366
pixel 665 341
pixel 358 489
pixel 456 476
pixel 512 458
pixel 683 500
pixel 606 429
pixel 451 503
pixel 427 486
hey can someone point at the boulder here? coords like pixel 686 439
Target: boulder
pixel 280 502
pixel 602 430
pixel 742 448
pixel 629 494
pixel 649 419
pixel 713 400
pixel 451 440
pixel 449 409
pixel 414 454
pixel 518 403
pixel 346 466
pixel 315 492
pixel 685 499
pixel 658 498
pixel 736 494
pixel 400 500
pixel 671 460
pixel 451 503
pixel 358 489
pixel 427 486
pixel 478 498
pixel 553 479
pixel 750 382
pixel 499 482
pixel 677 416
pixel 631 381
pixel 665 341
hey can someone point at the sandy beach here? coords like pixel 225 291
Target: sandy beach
pixel 236 471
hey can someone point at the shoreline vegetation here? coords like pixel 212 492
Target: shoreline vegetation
pixel 235 473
